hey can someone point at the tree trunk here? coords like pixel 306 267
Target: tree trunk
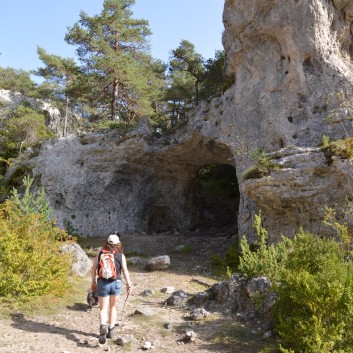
pixel 114 99
pixel 196 92
pixel 66 115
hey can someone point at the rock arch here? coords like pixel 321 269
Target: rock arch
pixel 129 184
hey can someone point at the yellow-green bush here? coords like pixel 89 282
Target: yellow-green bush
pixel 260 258
pixel 263 166
pixel 342 147
pixel 30 259
pixel 314 310
pixel 314 287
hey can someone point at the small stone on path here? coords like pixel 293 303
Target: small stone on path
pixel 147 345
pixel 168 290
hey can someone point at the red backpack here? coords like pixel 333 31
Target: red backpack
pixel 109 265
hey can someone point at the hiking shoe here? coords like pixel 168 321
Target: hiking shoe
pixel 102 334
pixel 111 333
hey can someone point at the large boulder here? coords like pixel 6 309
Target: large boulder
pixel 158 263
pixel 81 263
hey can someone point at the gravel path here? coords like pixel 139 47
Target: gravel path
pixel 75 328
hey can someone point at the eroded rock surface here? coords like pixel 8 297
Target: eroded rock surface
pixel 289 59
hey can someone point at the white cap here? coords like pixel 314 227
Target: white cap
pixel 113 239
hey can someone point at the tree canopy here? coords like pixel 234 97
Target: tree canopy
pixel 17 81
pixel 185 58
pixel 113 49
pixel 62 73
pixel 116 79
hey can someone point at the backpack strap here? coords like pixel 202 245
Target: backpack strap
pixel 99 261
pixel 118 261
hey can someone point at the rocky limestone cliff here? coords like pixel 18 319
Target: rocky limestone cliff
pixel 289 59
pixel 133 183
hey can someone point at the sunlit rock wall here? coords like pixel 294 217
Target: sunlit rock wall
pixel 292 70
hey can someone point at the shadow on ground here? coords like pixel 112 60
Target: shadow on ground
pixel 20 322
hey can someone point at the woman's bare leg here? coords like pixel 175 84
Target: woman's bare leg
pixel 113 299
pixel 103 309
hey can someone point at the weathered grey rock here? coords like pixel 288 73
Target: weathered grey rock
pixel 298 193
pixel 198 314
pixel 158 263
pixel 258 285
pixel 199 299
pixel 219 292
pixel 168 326
pixel 289 59
pixel 133 261
pixel 81 263
pixel 118 183
pixel 190 336
pixel 148 293
pixel 123 340
pixel 177 298
pixel 250 299
pixel 267 334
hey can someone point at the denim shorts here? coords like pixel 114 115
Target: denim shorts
pixel 106 288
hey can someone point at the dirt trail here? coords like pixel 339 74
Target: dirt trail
pixel 75 328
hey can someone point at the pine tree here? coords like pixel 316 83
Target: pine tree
pixel 113 49
pixel 215 81
pixel 30 203
pixel 185 58
pixel 62 72
pixel 17 81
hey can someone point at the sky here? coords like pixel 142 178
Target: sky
pixel 26 24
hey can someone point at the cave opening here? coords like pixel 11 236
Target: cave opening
pixel 217 197
pixel 205 200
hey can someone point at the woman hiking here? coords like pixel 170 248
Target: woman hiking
pixel 106 280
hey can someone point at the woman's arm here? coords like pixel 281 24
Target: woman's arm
pixel 126 273
pixel 94 274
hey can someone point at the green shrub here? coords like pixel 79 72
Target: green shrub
pixel 263 166
pixel 226 265
pixel 264 260
pixel 31 203
pixel 342 231
pixel 84 141
pixel 122 126
pixel 325 142
pixel 313 313
pixel 30 259
pixel 342 148
pixel 16 178
pixel 314 286
pixel 23 128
